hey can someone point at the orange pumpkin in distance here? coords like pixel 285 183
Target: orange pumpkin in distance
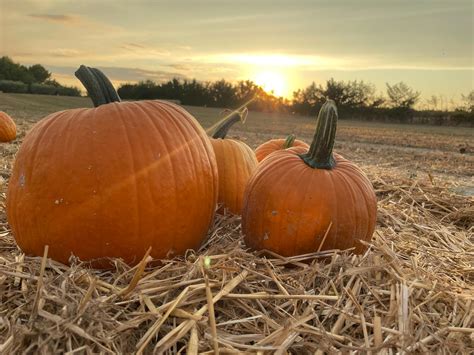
pixel 265 149
pixel 236 161
pixel 293 200
pixel 7 128
pixel 113 180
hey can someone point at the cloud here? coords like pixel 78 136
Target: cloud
pixel 17 55
pixel 55 18
pixel 279 60
pixel 180 66
pixel 317 62
pixel 65 52
pixel 137 74
pixel 133 45
pixel 194 67
pixel 87 24
pixel 122 74
pixel 141 51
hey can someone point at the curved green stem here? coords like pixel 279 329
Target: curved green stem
pixel 222 130
pixel 289 141
pixel 106 85
pixel 320 155
pixel 98 86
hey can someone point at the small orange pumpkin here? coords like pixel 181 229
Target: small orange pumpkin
pixel 265 149
pixel 235 161
pixel 301 203
pixel 7 128
pixel 113 180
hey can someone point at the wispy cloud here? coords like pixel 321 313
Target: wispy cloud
pixel 55 18
pixel 123 74
pixel 243 19
pixel 65 52
pixel 180 66
pixel 133 45
pixel 87 24
pixel 185 48
pixel 23 54
pixel 316 62
pixel 274 60
pixel 142 51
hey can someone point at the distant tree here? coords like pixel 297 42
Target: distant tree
pixel 10 70
pixel 346 94
pixel 401 95
pixel 127 91
pixel 194 93
pixel 39 73
pixel 443 103
pixel 377 101
pixel 433 102
pixel 352 93
pixel 223 94
pixel 307 101
pixel 52 82
pixel 246 90
pixel 468 101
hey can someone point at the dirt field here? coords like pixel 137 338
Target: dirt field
pixel 411 292
pixel 414 151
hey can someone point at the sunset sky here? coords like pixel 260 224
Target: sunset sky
pixel 284 44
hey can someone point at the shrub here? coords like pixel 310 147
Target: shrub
pixel 68 91
pixel 43 89
pixel 463 119
pixel 13 86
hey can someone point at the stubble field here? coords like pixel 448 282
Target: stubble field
pixel 411 291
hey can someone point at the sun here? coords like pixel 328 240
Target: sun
pixel 272 82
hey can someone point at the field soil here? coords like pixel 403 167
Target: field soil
pixel 414 151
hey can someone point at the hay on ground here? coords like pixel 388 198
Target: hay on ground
pixel 412 291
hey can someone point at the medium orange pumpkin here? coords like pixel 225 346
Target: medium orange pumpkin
pixel 7 128
pixel 113 180
pixel 265 149
pixel 236 161
pixel 293 200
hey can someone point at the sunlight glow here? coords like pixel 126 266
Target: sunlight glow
pixel 274 60
pixel 272 82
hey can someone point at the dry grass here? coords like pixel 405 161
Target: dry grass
pixel 412 291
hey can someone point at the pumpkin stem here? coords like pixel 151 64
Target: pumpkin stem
pixel 320 155
pixel 98 86
pixel 289 141
pixel 223 129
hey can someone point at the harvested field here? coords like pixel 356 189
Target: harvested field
pixel 412 291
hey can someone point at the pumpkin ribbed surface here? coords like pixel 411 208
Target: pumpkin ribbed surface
pixel 236 161
pixel 7 128
pixel 289 206
pixel 112 181
pixel 301 202
pixel 274 145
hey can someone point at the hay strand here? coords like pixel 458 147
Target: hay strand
pixel 412 291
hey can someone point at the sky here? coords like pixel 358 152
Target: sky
pixel 285 45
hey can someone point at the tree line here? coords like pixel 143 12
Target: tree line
pixel 219 93
pixel 355 99
pixel 35 79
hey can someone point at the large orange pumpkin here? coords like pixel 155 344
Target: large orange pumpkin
pixel 113 180
pixel 265 149
pixel 7 128
pixel 301 203
pixel 236 161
